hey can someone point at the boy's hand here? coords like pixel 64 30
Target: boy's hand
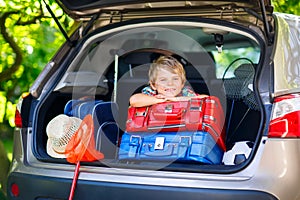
pixel 160 96
pixel 178 98
pixel 186 98
pixel 201 96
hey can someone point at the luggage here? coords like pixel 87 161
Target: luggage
pixel 198 114
pixel 187 146
pixel 104 115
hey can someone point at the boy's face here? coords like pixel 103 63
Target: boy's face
pixel 167 83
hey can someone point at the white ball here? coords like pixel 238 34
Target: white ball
pixel 239 153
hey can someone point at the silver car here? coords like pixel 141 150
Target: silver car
pixel 241 52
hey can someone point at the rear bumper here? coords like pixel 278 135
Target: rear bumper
pixel 41 188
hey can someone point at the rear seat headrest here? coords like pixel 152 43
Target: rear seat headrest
pixel 244 70
pixel 138 58
pixel 203 62
pixel 241 86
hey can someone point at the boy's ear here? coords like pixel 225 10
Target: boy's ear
pixel 152 86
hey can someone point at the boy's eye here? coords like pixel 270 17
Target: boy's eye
pixel 162 79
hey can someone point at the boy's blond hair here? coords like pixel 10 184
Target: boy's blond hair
pixel 167 63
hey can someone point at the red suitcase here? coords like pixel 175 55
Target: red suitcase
pixel 198 114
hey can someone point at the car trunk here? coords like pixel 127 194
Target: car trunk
pixel 111 63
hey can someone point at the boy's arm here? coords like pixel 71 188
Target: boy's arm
pixel 141 100
pixel 186 98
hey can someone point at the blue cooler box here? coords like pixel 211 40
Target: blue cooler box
pixel 196 146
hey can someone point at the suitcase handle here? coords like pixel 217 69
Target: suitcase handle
pixel 167 112
pixel 168 116
pixel 158 153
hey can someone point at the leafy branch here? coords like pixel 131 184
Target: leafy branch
pixel 7 74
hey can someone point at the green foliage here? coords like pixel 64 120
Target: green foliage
pixel 287 6
pixel 31 27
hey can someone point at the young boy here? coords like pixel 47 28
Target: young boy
pixel 167 79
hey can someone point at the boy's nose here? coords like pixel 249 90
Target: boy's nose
pixel 170 82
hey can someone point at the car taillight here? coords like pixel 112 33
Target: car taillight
pixel 14 189
pixel 285 121
pixel 18 117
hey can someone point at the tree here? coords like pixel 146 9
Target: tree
pixel 287 6
pixel 27 31
pixel 28 39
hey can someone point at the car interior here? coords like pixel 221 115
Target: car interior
pixel 217 62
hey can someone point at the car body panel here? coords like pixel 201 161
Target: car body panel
pixel 253 12
pixel 266 173
pixel 94 190
pixel 286 55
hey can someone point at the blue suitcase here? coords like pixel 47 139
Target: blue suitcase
pixel 105 115
pixel 198 146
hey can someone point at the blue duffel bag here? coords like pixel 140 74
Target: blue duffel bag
pixel 105 115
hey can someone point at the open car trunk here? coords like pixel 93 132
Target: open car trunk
pixel 111 63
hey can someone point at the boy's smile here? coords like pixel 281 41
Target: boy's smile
pixel 167 83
